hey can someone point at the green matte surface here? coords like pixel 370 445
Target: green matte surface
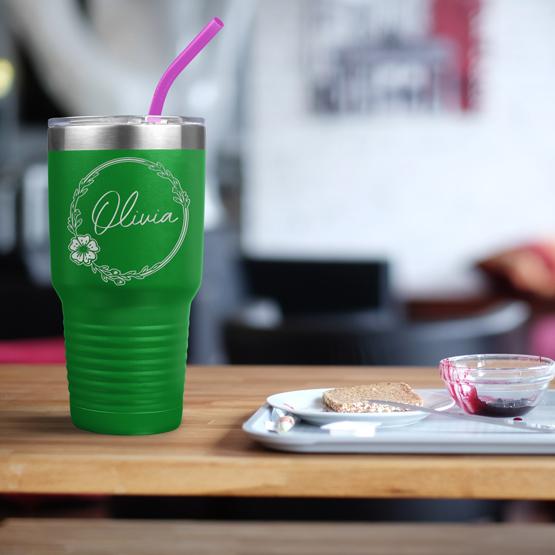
pixel 126 343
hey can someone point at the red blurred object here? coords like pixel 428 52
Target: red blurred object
pixel 456 21
pixel 33 351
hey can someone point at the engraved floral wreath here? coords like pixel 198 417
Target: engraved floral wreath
pixel 84 249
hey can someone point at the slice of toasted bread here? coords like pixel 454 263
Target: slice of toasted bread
pixel 359 398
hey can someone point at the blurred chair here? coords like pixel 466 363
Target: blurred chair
pixel 260 334
pixel 321 286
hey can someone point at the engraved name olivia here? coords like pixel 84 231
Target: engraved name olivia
pixel 110 212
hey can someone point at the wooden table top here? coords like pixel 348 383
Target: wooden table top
pixel 106 537
pixel 41 451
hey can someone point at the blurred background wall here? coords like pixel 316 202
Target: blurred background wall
pixel 416 131
pixel 394 150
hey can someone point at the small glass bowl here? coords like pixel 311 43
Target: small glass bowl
pixel 497 385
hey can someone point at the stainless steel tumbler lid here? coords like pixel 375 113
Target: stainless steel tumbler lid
pixel 125 132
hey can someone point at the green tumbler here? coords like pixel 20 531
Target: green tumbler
pixel 126 207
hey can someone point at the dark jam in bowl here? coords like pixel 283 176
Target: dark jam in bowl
pixel 501 408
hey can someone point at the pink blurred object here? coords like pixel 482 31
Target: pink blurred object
pixel 180 63
pixel 33 351
pixel 542 336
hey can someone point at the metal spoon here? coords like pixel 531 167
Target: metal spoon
pixel 514 424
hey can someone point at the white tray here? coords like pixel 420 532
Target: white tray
pixel 435 434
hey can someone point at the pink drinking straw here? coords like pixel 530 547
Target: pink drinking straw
pixel 180 63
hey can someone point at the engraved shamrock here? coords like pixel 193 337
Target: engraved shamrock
pixel 83 249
